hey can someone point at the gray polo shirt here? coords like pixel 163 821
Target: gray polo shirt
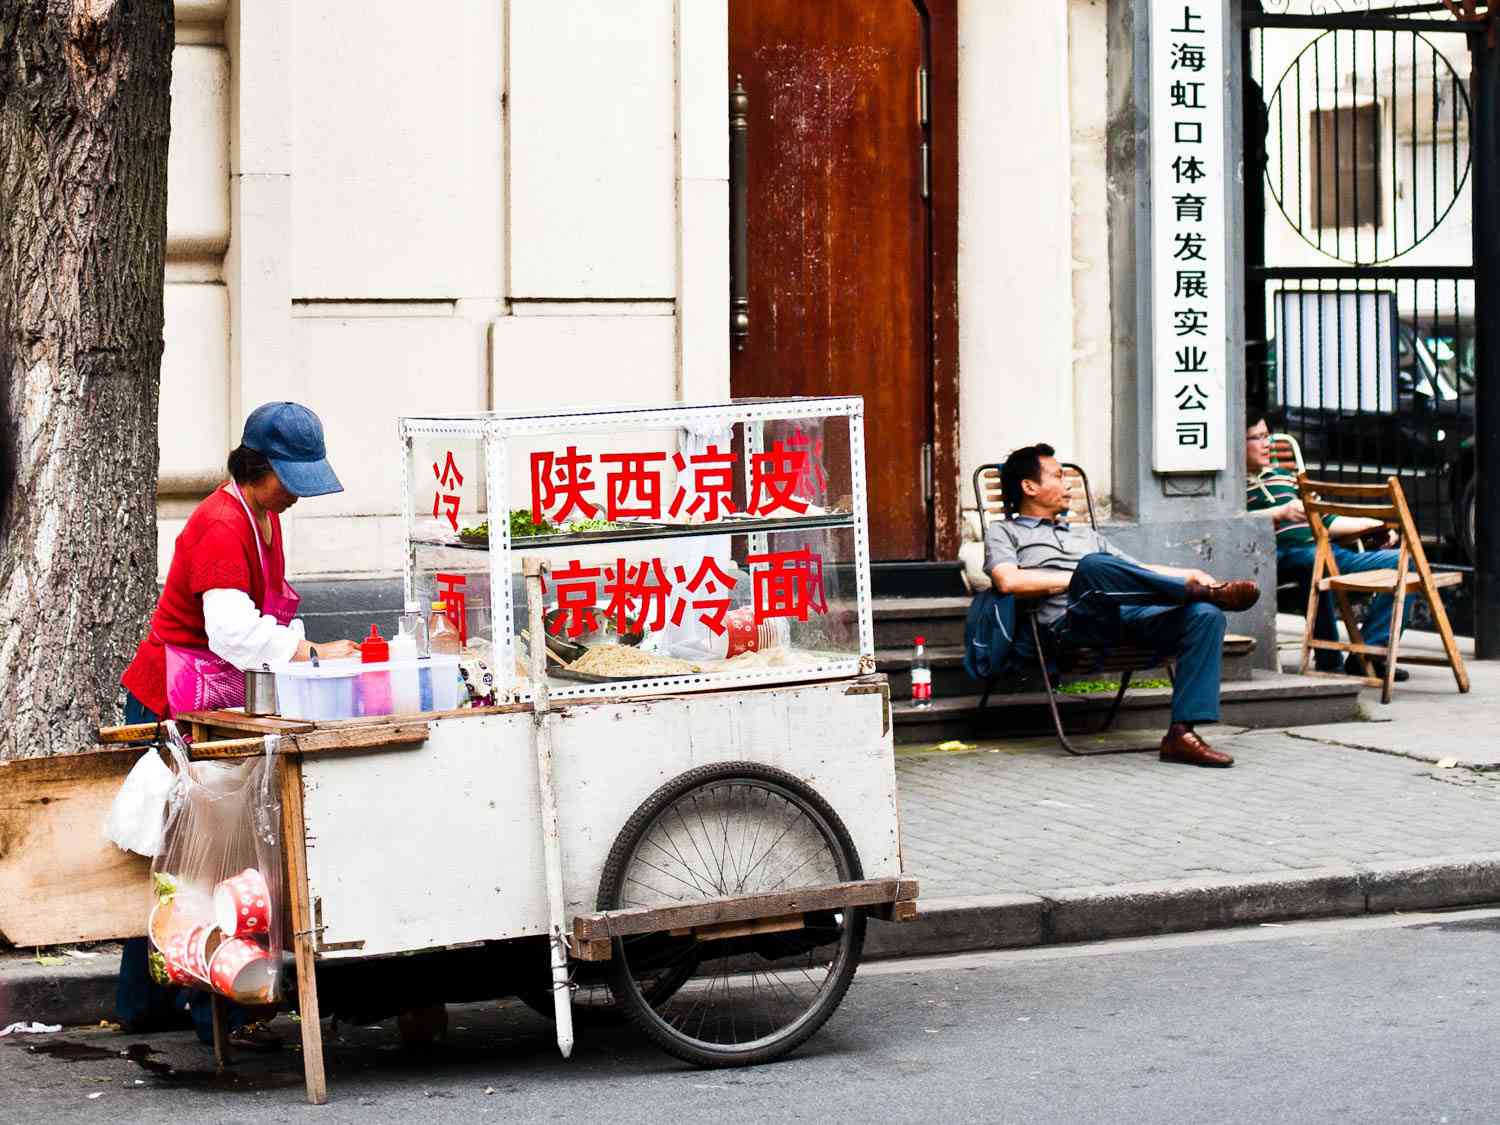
pixel 1036 544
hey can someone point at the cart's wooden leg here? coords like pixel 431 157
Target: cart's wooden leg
pixel 220 1008
pixel 294 844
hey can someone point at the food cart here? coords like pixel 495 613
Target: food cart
pixel 684 785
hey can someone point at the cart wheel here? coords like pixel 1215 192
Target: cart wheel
pixel 733 829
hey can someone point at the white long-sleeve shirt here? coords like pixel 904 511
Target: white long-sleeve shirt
pixel 242 635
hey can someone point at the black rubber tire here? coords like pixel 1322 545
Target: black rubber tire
pixel 700 1052
pixel 1466 517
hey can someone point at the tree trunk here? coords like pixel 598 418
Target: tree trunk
pixel 84 99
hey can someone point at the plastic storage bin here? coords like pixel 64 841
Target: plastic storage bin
pixel 332 690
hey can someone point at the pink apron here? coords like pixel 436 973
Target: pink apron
pixel 200 680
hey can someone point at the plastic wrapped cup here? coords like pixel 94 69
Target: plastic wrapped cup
pixel 178 960
pixel 242 904
pixel 202 943
pixel 241 970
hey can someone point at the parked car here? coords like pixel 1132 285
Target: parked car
pixel 1425 438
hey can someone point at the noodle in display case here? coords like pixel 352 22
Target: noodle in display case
pixel 683 548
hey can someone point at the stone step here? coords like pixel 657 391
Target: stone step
pixel 898 620
pixel 948 675
pixel 1266 699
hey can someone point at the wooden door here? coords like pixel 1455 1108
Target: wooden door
pixel 838 231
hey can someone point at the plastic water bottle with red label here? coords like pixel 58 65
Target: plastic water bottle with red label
pixel 921 675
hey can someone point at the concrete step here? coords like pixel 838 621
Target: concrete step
pixel 898 620
pixel 948 675
pixel 1266 699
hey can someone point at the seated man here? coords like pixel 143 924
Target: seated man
pixel 1094 595
pixel 1274 491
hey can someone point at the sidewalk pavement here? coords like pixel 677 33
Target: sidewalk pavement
pixel 1016 843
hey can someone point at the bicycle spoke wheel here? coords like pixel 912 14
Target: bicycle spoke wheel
pixel 763 987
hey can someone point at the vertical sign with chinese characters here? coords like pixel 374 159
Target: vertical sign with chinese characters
pixel 1190 267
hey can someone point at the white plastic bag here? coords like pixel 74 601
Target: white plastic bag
pixel 135 819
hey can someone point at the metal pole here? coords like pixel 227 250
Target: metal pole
pixel 562 993
pixel 1486 153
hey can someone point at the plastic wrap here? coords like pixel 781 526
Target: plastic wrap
pixel 216 921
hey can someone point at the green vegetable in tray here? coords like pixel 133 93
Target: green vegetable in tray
pixel 156 965
pixel 522 526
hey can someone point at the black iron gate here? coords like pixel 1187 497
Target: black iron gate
pixel 1362 330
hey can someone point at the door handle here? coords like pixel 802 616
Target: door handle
pixel 739 233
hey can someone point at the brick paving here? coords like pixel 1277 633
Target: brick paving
pixel 1008 818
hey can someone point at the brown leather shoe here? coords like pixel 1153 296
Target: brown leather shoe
pixel 1231 597
pixel 1186 748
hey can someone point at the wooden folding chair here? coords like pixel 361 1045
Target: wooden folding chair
pixel 1123 659
pixel 1286 454
pixel 1387 503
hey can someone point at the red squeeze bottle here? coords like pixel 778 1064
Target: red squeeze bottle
pixel 374 687
pixel 921 675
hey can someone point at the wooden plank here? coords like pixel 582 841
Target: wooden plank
pixel 748 928
pixel 137 732
pixel 61 881
pixel 294 842
pixel 220 1010
pixel 236 720
pixel 708 912
pixel 600 950
pixel 321 741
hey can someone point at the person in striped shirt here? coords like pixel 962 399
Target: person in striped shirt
pixel 1274 491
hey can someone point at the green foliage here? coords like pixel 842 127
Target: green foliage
pixel 1089 687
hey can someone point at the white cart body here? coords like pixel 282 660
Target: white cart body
pixel 437 845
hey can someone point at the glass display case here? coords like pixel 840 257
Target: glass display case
pixel 687 547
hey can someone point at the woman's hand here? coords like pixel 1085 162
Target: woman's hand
pixel 327 650
pixel 1292 512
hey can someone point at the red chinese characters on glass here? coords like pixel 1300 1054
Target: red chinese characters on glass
pixel 559 484
pixel 709 588
pixel 576 587
pixel 787 584
pixel 450 591
pixel 448 494
pixel 630 488
pixel 707 477
pixel 637 596
pixel 774 478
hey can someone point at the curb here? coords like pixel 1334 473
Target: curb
pixel 1077 914
pixel 83 992
pixel 80 992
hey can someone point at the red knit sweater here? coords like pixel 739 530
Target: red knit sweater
pixel 215 551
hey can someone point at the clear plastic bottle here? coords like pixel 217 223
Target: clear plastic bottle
pixel 406 691
pixel 921 675
pixel 442 634
pixel 414 623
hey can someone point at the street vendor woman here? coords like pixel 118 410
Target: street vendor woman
pixel 226 606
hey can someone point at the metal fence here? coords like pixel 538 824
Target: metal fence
pixel 1361 305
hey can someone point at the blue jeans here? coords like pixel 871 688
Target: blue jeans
pixel 1295 564
pixel 1111 601
pixel 140 1003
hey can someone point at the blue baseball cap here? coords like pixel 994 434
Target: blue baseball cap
pixel 290 436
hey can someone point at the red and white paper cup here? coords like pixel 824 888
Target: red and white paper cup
pixel 178 960
pixel 242 904
pixel 202 942
pixel 241 970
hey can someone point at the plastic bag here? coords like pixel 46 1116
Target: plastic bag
pixel 217 921
pixel 135 818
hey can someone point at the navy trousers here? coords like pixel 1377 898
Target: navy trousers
pixel 1111 601
pixel 1295 564
pixel 140 1003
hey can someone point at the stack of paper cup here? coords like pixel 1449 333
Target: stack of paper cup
pixel 242 970
pixel 242 905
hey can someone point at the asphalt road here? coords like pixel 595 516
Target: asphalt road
pixel 1371 1019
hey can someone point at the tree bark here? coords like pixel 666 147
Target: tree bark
pixel 84 100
